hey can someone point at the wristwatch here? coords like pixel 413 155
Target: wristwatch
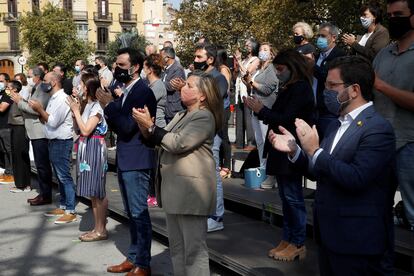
pixel 151 129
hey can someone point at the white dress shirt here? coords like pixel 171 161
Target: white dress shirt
pixel 60 123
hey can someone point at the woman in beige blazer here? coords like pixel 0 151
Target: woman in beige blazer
pixel 186 178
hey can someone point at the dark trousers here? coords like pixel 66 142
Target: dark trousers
pixel 44 169
pixel 20 156
pixel 134 190
pixel 243 125
pixel 293 206
pixel 225 143
pixel 333 264
pixel 5 150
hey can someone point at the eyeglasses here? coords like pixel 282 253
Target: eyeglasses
pixel 330 85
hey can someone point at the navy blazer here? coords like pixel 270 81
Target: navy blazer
pixel 355 187
pixel 131 152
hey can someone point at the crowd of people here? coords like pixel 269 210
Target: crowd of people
pixel 338 115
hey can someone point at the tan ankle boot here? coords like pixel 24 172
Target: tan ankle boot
pixel 290 253
pixel 282 245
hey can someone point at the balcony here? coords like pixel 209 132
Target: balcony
pixel 99 17
pixel 102 47
pixel 127 18
pixel 80 16
pixel 11 17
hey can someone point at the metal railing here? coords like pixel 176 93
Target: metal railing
pixel 9 17
pixel 107 17
pixel 127 18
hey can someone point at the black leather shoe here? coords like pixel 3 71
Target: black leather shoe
pixel 39 200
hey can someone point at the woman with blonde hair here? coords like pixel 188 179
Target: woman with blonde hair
pixel 263 86
pixel 302 34
pixel 186 174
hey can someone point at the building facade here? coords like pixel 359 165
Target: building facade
pixel 97 21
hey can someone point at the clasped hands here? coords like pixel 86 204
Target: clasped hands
pixel 253 103
pixel 286 142
pixel 143 118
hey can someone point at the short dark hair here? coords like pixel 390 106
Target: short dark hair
pixel 90 69
pixel 135 57
pixel 356 70
pixel 102 59
pixel 409 2
pixel 373 8
pixel 297 65
pixel 154 61
pixel 255 46
pixel 62 67
pixel 44 65
pixel 170 52
pixel 6 76
pixel 210 49
pixel 92 84
pixel 16 85
pixel 37 71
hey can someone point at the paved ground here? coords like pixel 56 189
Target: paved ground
pixel 31 244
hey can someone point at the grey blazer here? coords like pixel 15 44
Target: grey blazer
pixel 186 165
pixel 267 86
pixel 379 39
pixel 34 128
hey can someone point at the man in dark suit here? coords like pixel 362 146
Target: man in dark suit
pixel 326 43
pixel 354 169
pixel 173 70
pixel 135 161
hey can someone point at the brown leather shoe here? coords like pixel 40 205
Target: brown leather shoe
pixel 125 266
pixel 290 253
pixel 138 271
pixel 39 200
pixel 282 245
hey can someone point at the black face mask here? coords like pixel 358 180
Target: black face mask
pixel 46 87
pixel 122 75
pixel 97 67
pixel 399 26
pixel 298 39
pixel 200 65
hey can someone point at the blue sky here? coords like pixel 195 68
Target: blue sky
pixel 176 3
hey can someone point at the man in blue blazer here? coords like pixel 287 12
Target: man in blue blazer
pixel 354 170
pixel 135 160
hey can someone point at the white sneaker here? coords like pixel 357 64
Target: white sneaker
pixel 268 183
pixel 17 190
pixel 112 148
pixel 214 225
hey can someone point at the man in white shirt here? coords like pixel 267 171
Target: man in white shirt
pixel 354 170
pixel 104 72
pixel 58 129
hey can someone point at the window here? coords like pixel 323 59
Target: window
pixel 102 38
pixel 102 7
pixel 82 31
pixel 12 8
pixel 126 9
pixel 35 5
pixel 14 38
pixel 67 5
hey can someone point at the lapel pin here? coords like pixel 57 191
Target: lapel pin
pixel 359 123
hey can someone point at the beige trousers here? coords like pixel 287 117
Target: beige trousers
pixel 188 248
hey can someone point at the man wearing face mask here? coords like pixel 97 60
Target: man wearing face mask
pixel 204 59
pixel 354 169
pixel 326 43
pixel 172 71
pixel 79 65
pixel 59 131
pixel 5 132
pixel 135 160
pixel 36 132
pixel 394 96
pixel 376 37
pixel 104 72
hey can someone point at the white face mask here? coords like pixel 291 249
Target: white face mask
pixel 366 22
pixel 2 86
pixel 30 82
pixel 264 56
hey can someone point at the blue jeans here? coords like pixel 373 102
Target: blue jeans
pixel 60 154
pixel 134 190
pixel 294 212
pixel 220 201
pixel 405 173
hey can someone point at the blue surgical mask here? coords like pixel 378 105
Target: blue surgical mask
pixel 264 56
pixel 322 43
pixel 366 22
pixel 332 102
pixel 77 69
pixel 2 86
pixel 46 87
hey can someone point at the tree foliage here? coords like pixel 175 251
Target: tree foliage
pixel 126 39
pixel 49 35
pixel 229 22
